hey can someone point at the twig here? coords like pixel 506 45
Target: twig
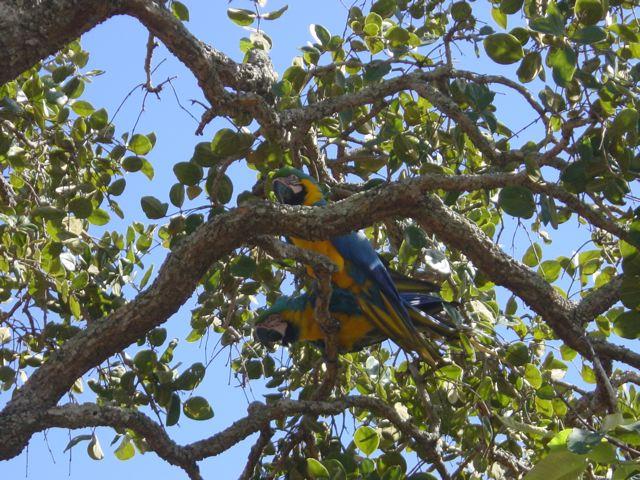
pixel 256 453
pixel 151 45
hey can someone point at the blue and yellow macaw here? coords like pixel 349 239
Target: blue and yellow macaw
pixel 291 319
pixel 360 270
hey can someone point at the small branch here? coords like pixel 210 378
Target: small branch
pixel 92 415
pixel 279 249
pixel 256 453
pixel 523 91
pixel 598 301
pixel 208 115
pixel 330 328
pixel 151 45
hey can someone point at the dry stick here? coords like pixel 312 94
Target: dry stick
pixel 330 328
pixel 151 45
pixel 256 453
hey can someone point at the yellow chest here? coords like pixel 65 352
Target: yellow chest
pixel 341 278
pixel 353 328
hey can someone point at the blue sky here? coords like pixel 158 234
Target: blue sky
pixel 118 47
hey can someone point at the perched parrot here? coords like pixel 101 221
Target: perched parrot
pixel 360 270
pixel 292 319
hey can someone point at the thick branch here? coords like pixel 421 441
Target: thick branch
pixel 258 419
pixel 32 30
pixel 598 301
pixel 92 415
pixel 559 313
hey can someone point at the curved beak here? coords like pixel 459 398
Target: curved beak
pixel 271 331
pixel 286 192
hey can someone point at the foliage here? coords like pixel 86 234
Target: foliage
pixel 382 101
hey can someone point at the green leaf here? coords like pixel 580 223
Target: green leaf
pixel 125 450
pixel 176 195
pixel 500 17
pixel 203 156
pixel 140 144
pixel 76 440
pixel 567 353
pixel 589 12
pixel 627 324
pixel 366 439
pixel 530 67
pixel 626 121
pixel 193 191
pixel 503 48
pixel 511 6
pixel 147 169
pixel 517 354
pixel 191 377
pixel 244 266
pixel 551 24
pixel 197 408
pixel 228 143
pixel 589 35
pixel 223 192
pixel 582 441
pixel 517 201
pixel 460 11
pixel 188 173
pixel 384 8
pixel 320 33
pixel 180 10
pixel 375 71
pixel 98 217
pixel 563 60
pixel 275 14
pixel 81 207
pixel 145 360
pixel 80 281
pixel 241 17
pixel 316 470
pixel 514 424
pixel 550 270
pixel 532 375
pixel 157 336
pixel 153 208
pixel 94 450
pixel 558 465
pixel 82 108
pixel 173 411
pixel 146 277
pixel 533 255
pixel 74 306
pixel 99 119
pixel 117 187
pixel 48 212
pixel 630 291
pixel 132 164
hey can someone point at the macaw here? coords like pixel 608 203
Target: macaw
pixel 292 319
pixel 359 269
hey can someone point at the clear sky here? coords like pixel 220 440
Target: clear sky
pixel 118 47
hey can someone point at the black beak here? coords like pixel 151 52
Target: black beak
pixel 283 192
pixel 268 335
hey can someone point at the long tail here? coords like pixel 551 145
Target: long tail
pixel 426 313
pixel 406 284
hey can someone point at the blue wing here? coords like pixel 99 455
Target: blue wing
pixel 365 265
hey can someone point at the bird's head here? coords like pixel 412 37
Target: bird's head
pixel 294 187
pixel 276 324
